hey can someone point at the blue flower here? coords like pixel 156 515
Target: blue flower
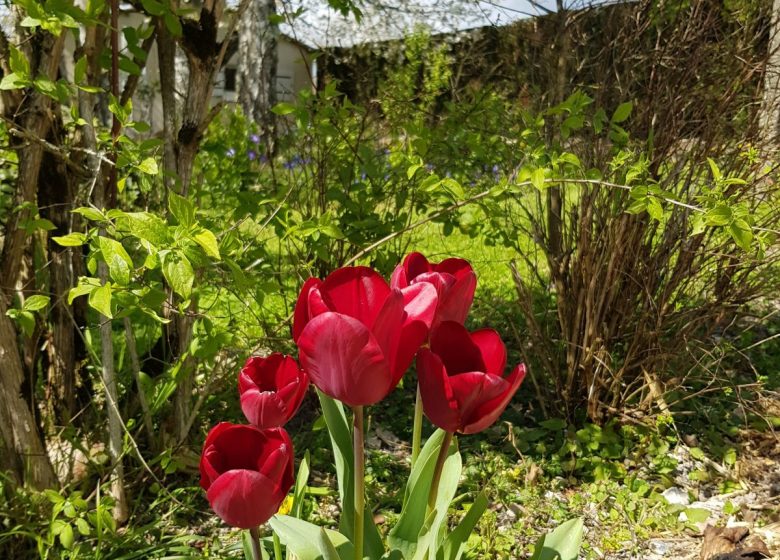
pixel 252 155
pixel 254 138
pixel 230 152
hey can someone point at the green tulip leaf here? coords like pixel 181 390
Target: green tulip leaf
pixel 455 543
pixel 341 441
pixel 300 486
pixel 311 542
pixel 416 530
pixel 562 543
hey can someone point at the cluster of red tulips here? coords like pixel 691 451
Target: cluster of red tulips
pixel 357 335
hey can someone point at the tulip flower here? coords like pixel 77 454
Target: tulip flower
pixel 271 389
pixel 461 378
pixel 357 336
pixel 454 280
pixel 246 472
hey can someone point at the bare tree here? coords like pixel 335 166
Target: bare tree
pixel 258 35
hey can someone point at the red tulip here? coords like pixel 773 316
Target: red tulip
pixel 461 378
pixel 454 280
pixel 246 472
pixel 271 389
pixel 357 336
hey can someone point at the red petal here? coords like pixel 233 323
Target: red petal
pixel 261 373
pixel 454 266
pixel 458 352
pixel 398 278
pixel 357 292
pixel 263 409
pixel 416 264
pixel 488 412
pixel 387 326
pixel 244 498
pixel 454 304
pixel 271 389
pixel 474 388
pixel 441 281
pixel 239 447
pixel 344 360
pixel 420 302
pixel 208 471
pixel 439 403
pixel 301 315
pixel 492 349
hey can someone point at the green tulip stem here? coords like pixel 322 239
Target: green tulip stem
pixel 443 452
pixel 255 539
pixel 417 427
pixel 360 480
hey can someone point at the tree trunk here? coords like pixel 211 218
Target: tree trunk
pixel 770 107
pixel 34 126
pixel 56 195
pixel 28 114
pixel 17 423
pixel 205 54
pixel 257 57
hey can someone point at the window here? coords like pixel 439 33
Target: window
pixel 230 79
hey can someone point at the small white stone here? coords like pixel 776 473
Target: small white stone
pixel 676 496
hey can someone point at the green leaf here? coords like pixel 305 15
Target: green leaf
pixel 153 7
pixel 92 214
pixel 455 543
pixel 83 526
pixel 300 485
pixel 18 62
pixel 80 70
pixel 13 81
pixel 563 543
pixel 622 112
pixel 453 188
pixel 412 170
pixel 75 239
pixel 173 24
pixel 408 533
pixel 178 273
pixel 341 442
pixel 35 303
pixel 324 543
pixel 100 300
pixel 742 233
pixel 208 242
pixel 283 108
pixel 311 542
pixel 128 65
pixel 537 178
pixel 148 166
pixel 182 209
pixel 720 215
pixel 85 286
pixel 654 208
pixel 246 543
pixel 148 227
pixel 119 262
pixel 66 536
pixel 638 206
pixel 716 173
pixel 697 515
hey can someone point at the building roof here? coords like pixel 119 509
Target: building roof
pixel 319 26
